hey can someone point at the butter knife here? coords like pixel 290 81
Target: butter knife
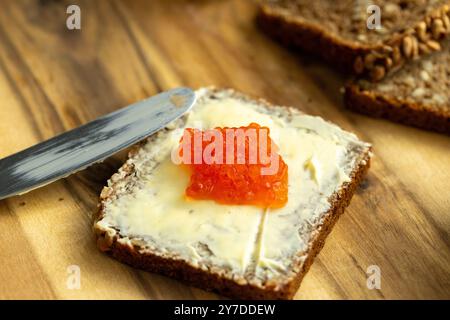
pixel 93 142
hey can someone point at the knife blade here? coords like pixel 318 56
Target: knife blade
pixel 93 142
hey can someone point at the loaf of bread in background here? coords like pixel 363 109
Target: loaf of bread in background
pixel 417 95
pixel 337 31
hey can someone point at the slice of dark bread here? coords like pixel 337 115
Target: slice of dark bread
pixel 417 95
pixel 337 31
pixel 145 220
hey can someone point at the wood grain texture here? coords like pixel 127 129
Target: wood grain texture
pixel 53 79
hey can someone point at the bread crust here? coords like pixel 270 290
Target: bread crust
pixel 347 55
pixel 298 33
pixel 383 106
pixel 217 282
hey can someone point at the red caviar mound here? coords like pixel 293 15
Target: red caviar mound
pixel 235 166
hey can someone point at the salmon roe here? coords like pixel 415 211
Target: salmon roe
pixel 230 180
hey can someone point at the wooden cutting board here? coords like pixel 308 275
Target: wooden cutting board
pixel 53 79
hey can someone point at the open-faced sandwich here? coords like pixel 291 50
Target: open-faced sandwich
pixel 235 197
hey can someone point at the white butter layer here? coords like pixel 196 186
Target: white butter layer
pixel 319 158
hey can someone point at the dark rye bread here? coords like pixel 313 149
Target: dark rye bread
pixel 418 95
pixel 337 31
pixel 209 277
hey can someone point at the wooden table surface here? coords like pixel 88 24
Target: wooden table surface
pixel 53 79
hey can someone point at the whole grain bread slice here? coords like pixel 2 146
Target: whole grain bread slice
pixel 280 282
pixel 418 95
pixel 337 31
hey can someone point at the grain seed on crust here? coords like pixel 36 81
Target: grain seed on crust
pixel 407 46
